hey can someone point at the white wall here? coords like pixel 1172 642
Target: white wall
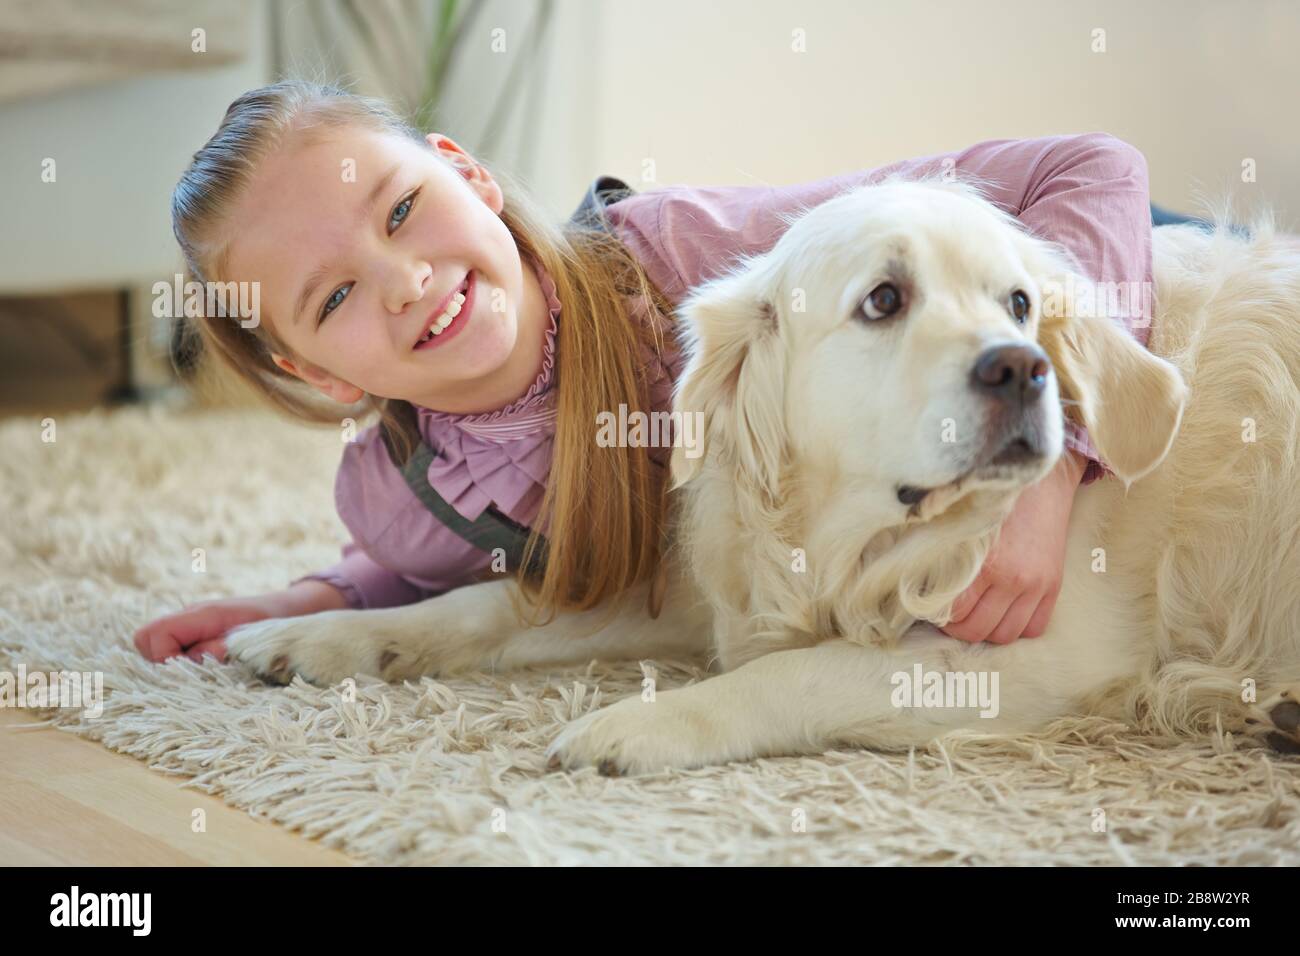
pixel 714 94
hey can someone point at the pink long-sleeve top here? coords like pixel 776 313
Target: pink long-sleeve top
pixel 1089 192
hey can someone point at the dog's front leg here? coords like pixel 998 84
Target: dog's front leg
pixel 444 633
pixel 810 700
pixel 473 628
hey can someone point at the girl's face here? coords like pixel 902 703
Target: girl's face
pixel 357 242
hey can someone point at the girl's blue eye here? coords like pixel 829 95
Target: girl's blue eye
pixel 327 308
pixel 400 212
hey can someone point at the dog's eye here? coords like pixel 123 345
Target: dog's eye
pixel 1019 304
pixel 884 301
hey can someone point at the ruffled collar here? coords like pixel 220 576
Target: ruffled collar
pixel 536 406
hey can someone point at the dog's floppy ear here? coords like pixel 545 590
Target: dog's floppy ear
pixel 1130 401
pixel 734 377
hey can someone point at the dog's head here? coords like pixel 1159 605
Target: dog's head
pixel 898 335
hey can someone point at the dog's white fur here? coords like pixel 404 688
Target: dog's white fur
pixel 795 560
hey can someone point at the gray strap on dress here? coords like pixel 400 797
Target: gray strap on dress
pixel 491 530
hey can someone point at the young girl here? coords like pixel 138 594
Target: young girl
pixel 399 275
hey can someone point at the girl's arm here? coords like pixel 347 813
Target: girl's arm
pixel 356 582
pixel 365 583
pixel 1089 193
pixel 200 629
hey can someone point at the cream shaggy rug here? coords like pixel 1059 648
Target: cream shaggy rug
pixel 98 534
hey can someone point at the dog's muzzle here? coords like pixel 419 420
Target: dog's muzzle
pixel 1014 380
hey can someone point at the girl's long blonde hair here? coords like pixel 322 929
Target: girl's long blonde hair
pixel 603 508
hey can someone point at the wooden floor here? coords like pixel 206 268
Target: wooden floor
pixel 65 800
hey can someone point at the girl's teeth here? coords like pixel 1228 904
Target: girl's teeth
pixel 444 320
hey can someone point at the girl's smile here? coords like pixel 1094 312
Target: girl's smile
pixel 452 316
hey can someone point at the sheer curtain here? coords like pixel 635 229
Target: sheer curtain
pixel 375 48
pixel 494 53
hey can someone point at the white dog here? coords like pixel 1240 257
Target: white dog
pixel 877 390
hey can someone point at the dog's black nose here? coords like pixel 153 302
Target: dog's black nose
pixel 1013 373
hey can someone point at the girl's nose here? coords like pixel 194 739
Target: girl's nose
pixel 407 286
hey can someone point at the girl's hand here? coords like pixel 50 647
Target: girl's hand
pixel 1015 592
pixel 201 628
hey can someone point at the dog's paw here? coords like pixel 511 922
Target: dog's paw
pixel 634 736
pixel 1277 721
pixel 322 649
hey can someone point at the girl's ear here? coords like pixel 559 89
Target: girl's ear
pixel 734 378
pixel 469 169
pixel 321 380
